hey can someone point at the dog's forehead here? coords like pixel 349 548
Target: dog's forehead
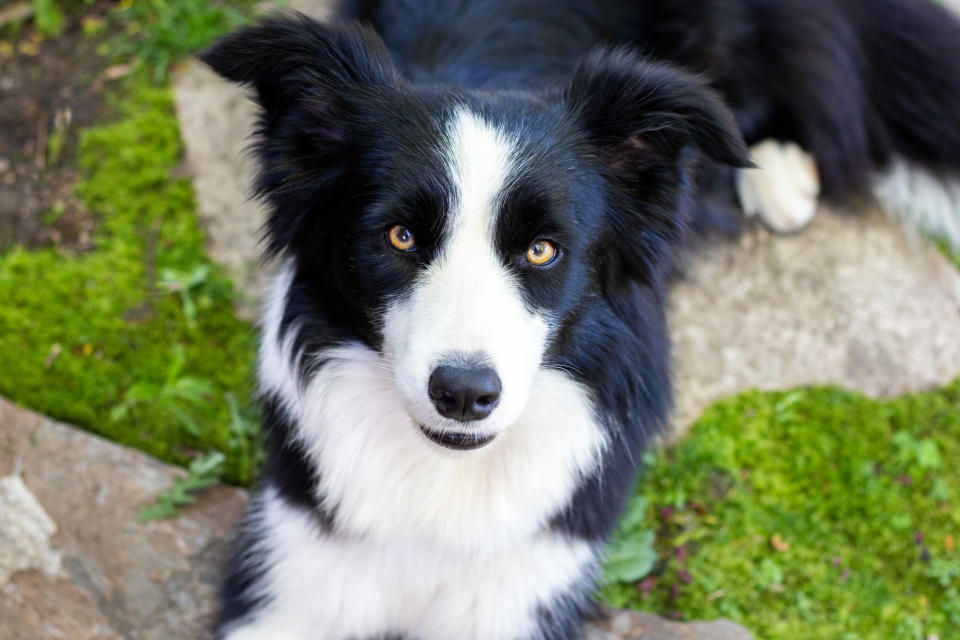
pixel 481 159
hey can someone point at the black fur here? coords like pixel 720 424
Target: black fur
pixel 630 152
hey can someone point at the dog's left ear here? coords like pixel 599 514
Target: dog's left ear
pixel 640 112
pixel 649 124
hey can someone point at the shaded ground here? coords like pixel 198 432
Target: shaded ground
pixel 49 90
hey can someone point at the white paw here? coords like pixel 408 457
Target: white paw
pixel 784 187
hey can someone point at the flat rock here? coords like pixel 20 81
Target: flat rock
pixel 853 300
pixel 217 120
pixel 634 625
pixel 74 562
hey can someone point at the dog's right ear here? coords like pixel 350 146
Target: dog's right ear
pixel 291 58
pixel 310 80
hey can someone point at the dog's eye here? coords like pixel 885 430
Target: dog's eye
pixel 401 238
pixel 541 253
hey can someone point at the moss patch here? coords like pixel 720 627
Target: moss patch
pixel 77 333
pixel 814 513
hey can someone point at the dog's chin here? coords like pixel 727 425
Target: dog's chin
pixel 458 441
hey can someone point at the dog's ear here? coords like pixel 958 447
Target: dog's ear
pixel 291 58
pixel 649 125
pixel 640 112
pixel 313 82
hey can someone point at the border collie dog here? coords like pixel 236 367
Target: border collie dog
pixel 477 205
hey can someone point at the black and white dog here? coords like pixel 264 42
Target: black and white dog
pixel 476 204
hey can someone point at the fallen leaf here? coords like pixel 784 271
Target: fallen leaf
pixel 778 543
pixel 55 350
pixel 117 71
pixel 28 48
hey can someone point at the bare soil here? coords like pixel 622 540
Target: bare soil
pixel 49 90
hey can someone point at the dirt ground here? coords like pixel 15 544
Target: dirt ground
pixel 49 90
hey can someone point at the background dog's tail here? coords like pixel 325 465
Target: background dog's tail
pixel 912 85
pixel 911 79
pixel 870 88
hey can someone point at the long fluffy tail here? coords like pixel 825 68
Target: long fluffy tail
pixel 912 86
pixel 870 88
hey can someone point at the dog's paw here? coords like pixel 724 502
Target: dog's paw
pixel 784 187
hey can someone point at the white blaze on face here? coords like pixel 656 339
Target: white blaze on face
pixel 467 302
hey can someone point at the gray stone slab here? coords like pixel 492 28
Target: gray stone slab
pixel 216 123
pixel 88 569
pixel 634 625
pixel 853 300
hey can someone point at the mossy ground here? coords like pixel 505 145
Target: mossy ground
pixel 78 331
pixel 814 513
pixel 82 335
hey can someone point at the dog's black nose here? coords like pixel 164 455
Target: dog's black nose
pixel 464 393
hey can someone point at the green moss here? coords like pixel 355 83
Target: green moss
pixel 77 332
pixel 815 513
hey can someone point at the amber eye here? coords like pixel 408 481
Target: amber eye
pixel 401 238
pixel 541 253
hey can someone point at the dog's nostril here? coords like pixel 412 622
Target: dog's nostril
pixel 464 393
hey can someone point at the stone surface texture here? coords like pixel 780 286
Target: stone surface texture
pixel 854 300
pixel 78 565
pixel 217 120
pixel 633 625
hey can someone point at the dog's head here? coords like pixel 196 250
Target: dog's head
pixel 457 232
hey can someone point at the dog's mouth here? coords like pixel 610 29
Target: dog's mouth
pixel 458 441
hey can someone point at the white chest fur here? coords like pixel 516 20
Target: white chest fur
pixel 319 586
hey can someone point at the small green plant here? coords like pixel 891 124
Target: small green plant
pixel 177 395
pixel 48 18
pixel 630 555
pixel 915 456
pixel 245 444
pixel 183 284
pixel 158 32
pixel 204 471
